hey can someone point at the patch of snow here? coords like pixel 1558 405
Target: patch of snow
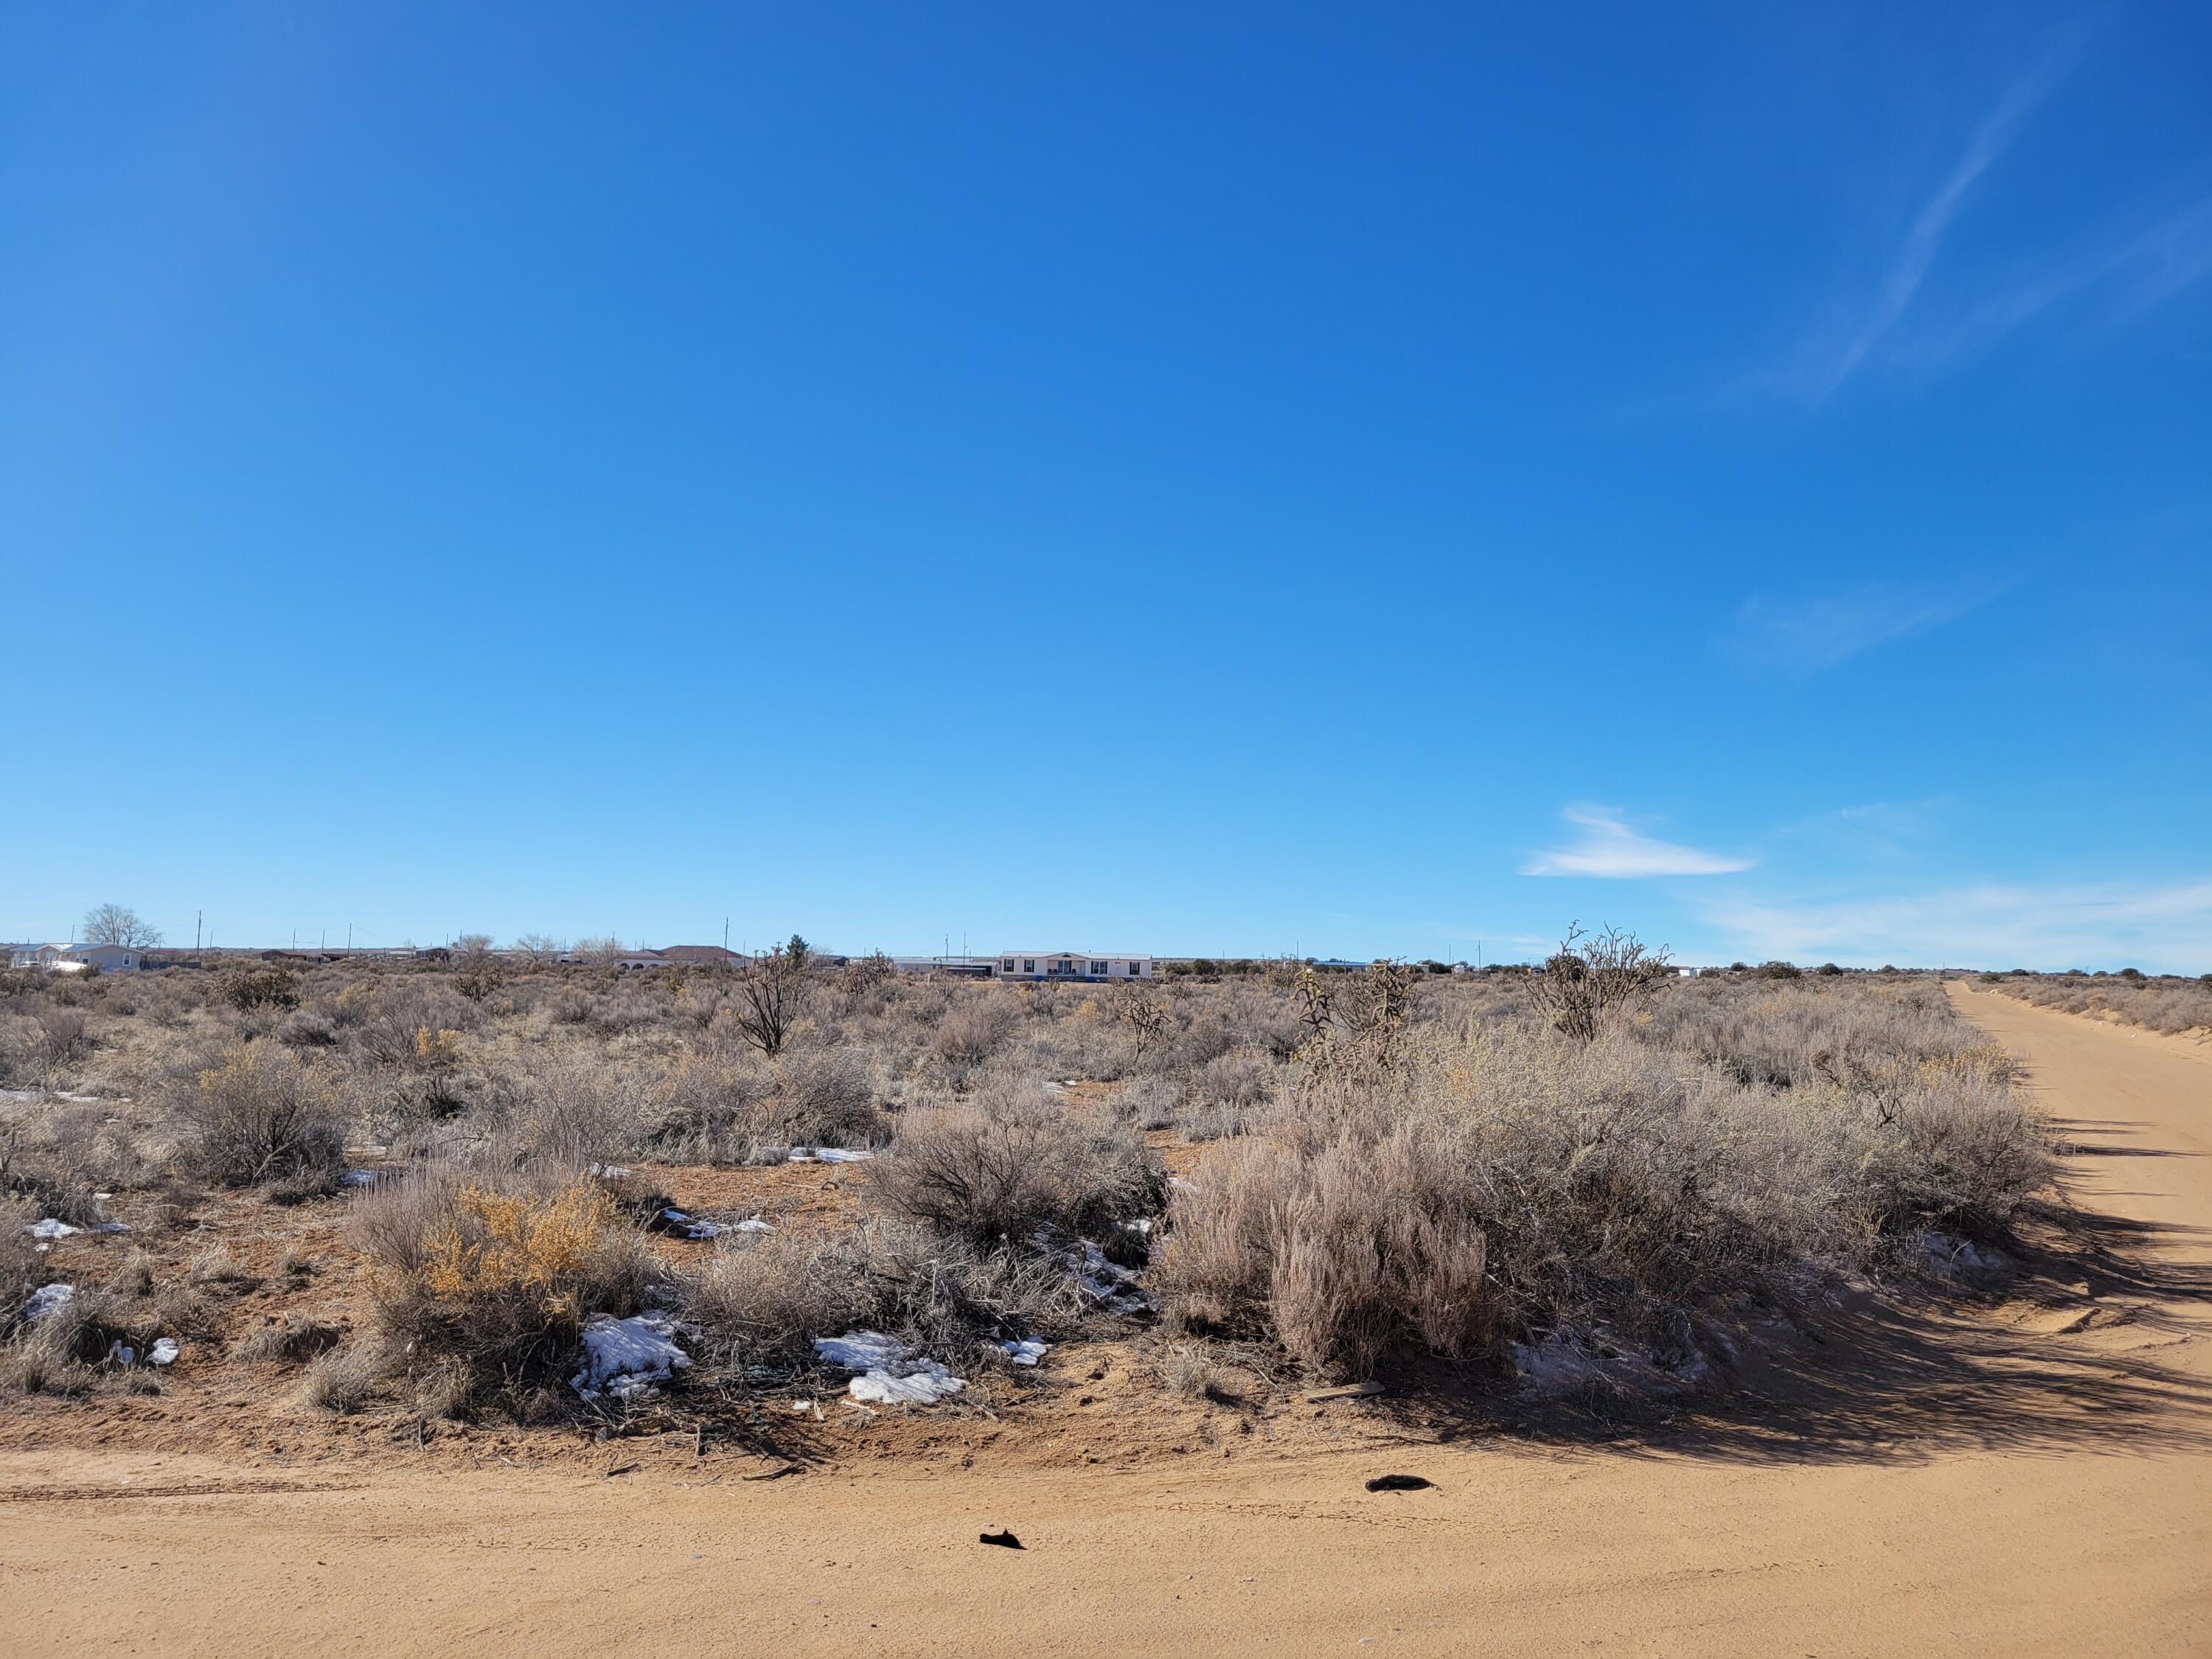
pixel 1025 1351
pixel 754 1225
pixel 826 1155
pixel 923 1383
pixel 361 1177
pixel 1953 1257
pixel 862 1350
pixel 1557 1365
pixel 50 1228
pixel 164 1351
pixel 48 1299
pixel 890 1374
pixel 626 1357
pixel 610 1171
pixel 1569 1362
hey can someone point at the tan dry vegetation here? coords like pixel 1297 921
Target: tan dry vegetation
pixel 2021 1471
pixel 2168 1004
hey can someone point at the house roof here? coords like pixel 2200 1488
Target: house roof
pixel 1095 955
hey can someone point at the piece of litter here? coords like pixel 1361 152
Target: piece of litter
pixel 50 1228
pixel 48 1299
pixel 753 1224
pixel 164 1351
pixel 1356 1391
pixel 1005 1540
pixel 359 1178
pixel 121 1354
pixel 1398 1483
pixel 826 1155
pixel 626 1357
pixel 1025 1351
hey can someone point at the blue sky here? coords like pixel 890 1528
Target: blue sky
pixel 1221 479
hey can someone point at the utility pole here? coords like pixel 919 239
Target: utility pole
pixel 725 935
pixel 196 932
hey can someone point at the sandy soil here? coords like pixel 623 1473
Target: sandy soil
pixel 2033 1474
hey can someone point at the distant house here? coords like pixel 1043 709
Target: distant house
pixel 947 967
pixel 79 958
pixel 700 955
pixel 1072 965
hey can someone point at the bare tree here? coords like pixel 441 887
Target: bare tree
pixel 773 992
pixel 538 949
pixel 472 944
pixel 1136 1010
pixel 1594 978
pixel 117 924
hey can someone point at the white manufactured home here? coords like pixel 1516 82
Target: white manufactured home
pixel 1072 965
pixel 78 958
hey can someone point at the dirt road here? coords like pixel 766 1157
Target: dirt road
pixel 2035 1479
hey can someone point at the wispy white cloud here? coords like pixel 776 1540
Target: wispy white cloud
pixel 1834 354
pixel 2116 281
pixel 1609 849
pixel 2164 929
pixel 1806 635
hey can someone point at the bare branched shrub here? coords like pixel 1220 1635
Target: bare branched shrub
pixel 968 1036
pixel 1595 978
pixel 262 1115
pixel 771 997
pixel 250 989
pixel 763 1300
pixel 1013 1162
pixel 827 1098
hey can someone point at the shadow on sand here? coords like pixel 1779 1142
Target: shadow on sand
pixel 2089 1346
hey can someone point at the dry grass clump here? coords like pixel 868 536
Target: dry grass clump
pixel 22 1269
pixel 261 1115
pixel 290 1340
pixel 74 1348
pixel 728 1106
pixel 1012 1163
pixel 341 1381
pixel 1505 1182
pixel 761 1301
pixel 494 1276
